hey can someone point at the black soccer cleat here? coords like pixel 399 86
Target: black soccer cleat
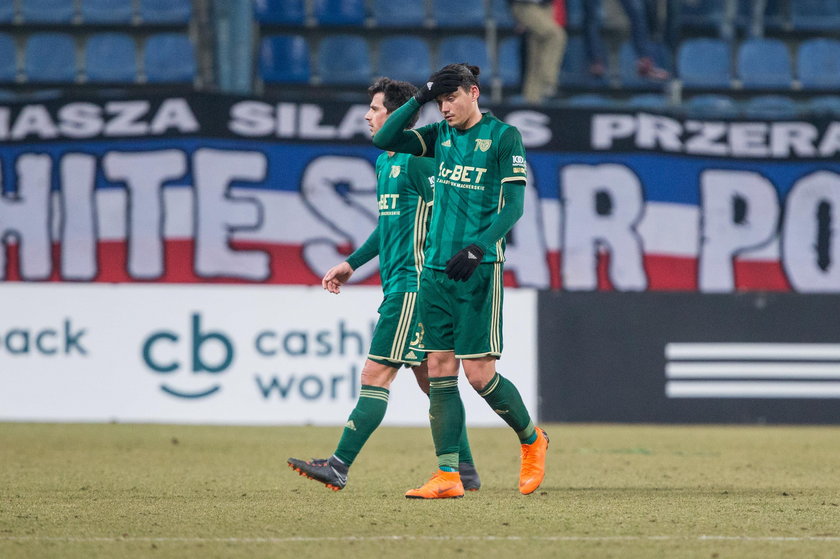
pixel 469 476
pixel 323 470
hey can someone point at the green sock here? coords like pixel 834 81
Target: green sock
pixel 446 414
pixel 363 421
pixel 505 400
pixel 464 451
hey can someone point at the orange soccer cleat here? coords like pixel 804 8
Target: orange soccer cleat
pixel 532 466
pixel 443 485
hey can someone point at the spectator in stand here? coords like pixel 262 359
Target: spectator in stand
pixel 546 43
pixel 641 13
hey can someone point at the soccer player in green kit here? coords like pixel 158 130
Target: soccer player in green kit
pixel 479 195
pixel 405 192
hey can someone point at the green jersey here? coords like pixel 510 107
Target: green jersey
pixel 404 190
pixel 473 168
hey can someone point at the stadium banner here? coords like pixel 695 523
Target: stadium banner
pixel 210 188
pixel 273 355
pixel 689 358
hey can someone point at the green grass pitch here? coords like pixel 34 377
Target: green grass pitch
pixel 112 490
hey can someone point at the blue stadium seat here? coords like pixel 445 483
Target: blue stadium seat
pixel 344 60
pixel 111 57
pixel 591 101
pixel 47 11
pixel 815 15
pixel 510 61
pixel 465 48
pixel 501 14
pixel 705 63
pixel 50 57
pixel 463 13
pixel 764 64
pixel 771 106
pixel 8 59
pixel 824 106
pixel 284 59
pixel 169 58
pixel 107 11
pixel 711 106
pixel 340 12
pixel 7 11
pixel 405 57
pixel 399 13
pixel 818 63
pixel 280 12
pixel 654 101
pixel 574 70
pixel 165 11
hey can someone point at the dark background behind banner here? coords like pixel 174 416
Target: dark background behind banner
pixel 602 355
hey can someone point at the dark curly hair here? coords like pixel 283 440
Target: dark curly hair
pixel 395 94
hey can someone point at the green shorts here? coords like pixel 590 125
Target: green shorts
pixel 461 316
pixel 394 330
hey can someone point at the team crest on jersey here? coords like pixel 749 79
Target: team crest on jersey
pixel 483 145
pixel 395 171
pixel 446 143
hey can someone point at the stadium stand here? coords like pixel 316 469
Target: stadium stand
pixel 590 100
pixel 764 64
pixel 280 12
pixel 711 105
pixel 771 106
pixel 340 12
pixel 110 58
pixel 654 101
pixel 510 61
pixel 405 57
pixel 284 59
pixel 50 58
pixel 7 11
pixel 48 11
pixel 344 60
pixel 705 63
pixel 463 13
pixel 815 15
pixel 627 71
pixel 169 58
pixel 465 48
pixel 8 59
pixel 107 11
pixel 500 12
pixel 818 64
pixel 574 71
pixel 824 105
pixel 399 13
pixel 172 12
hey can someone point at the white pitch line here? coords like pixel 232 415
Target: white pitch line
pixel 312 539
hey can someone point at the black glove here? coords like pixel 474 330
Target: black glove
pixel 444 81
pixel 461 266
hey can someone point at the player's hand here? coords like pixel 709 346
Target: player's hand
pixel 461 266
pixel 336 276
pixel 444 81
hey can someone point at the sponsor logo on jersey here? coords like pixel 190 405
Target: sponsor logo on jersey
pixel 483 145
pixel 519 160
pixel 411 355
pixel 388 202
pixel 446 143
pixel 395 171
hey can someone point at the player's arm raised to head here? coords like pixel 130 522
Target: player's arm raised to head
pixel 394 137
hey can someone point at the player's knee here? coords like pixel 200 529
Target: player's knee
pixel 377 374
